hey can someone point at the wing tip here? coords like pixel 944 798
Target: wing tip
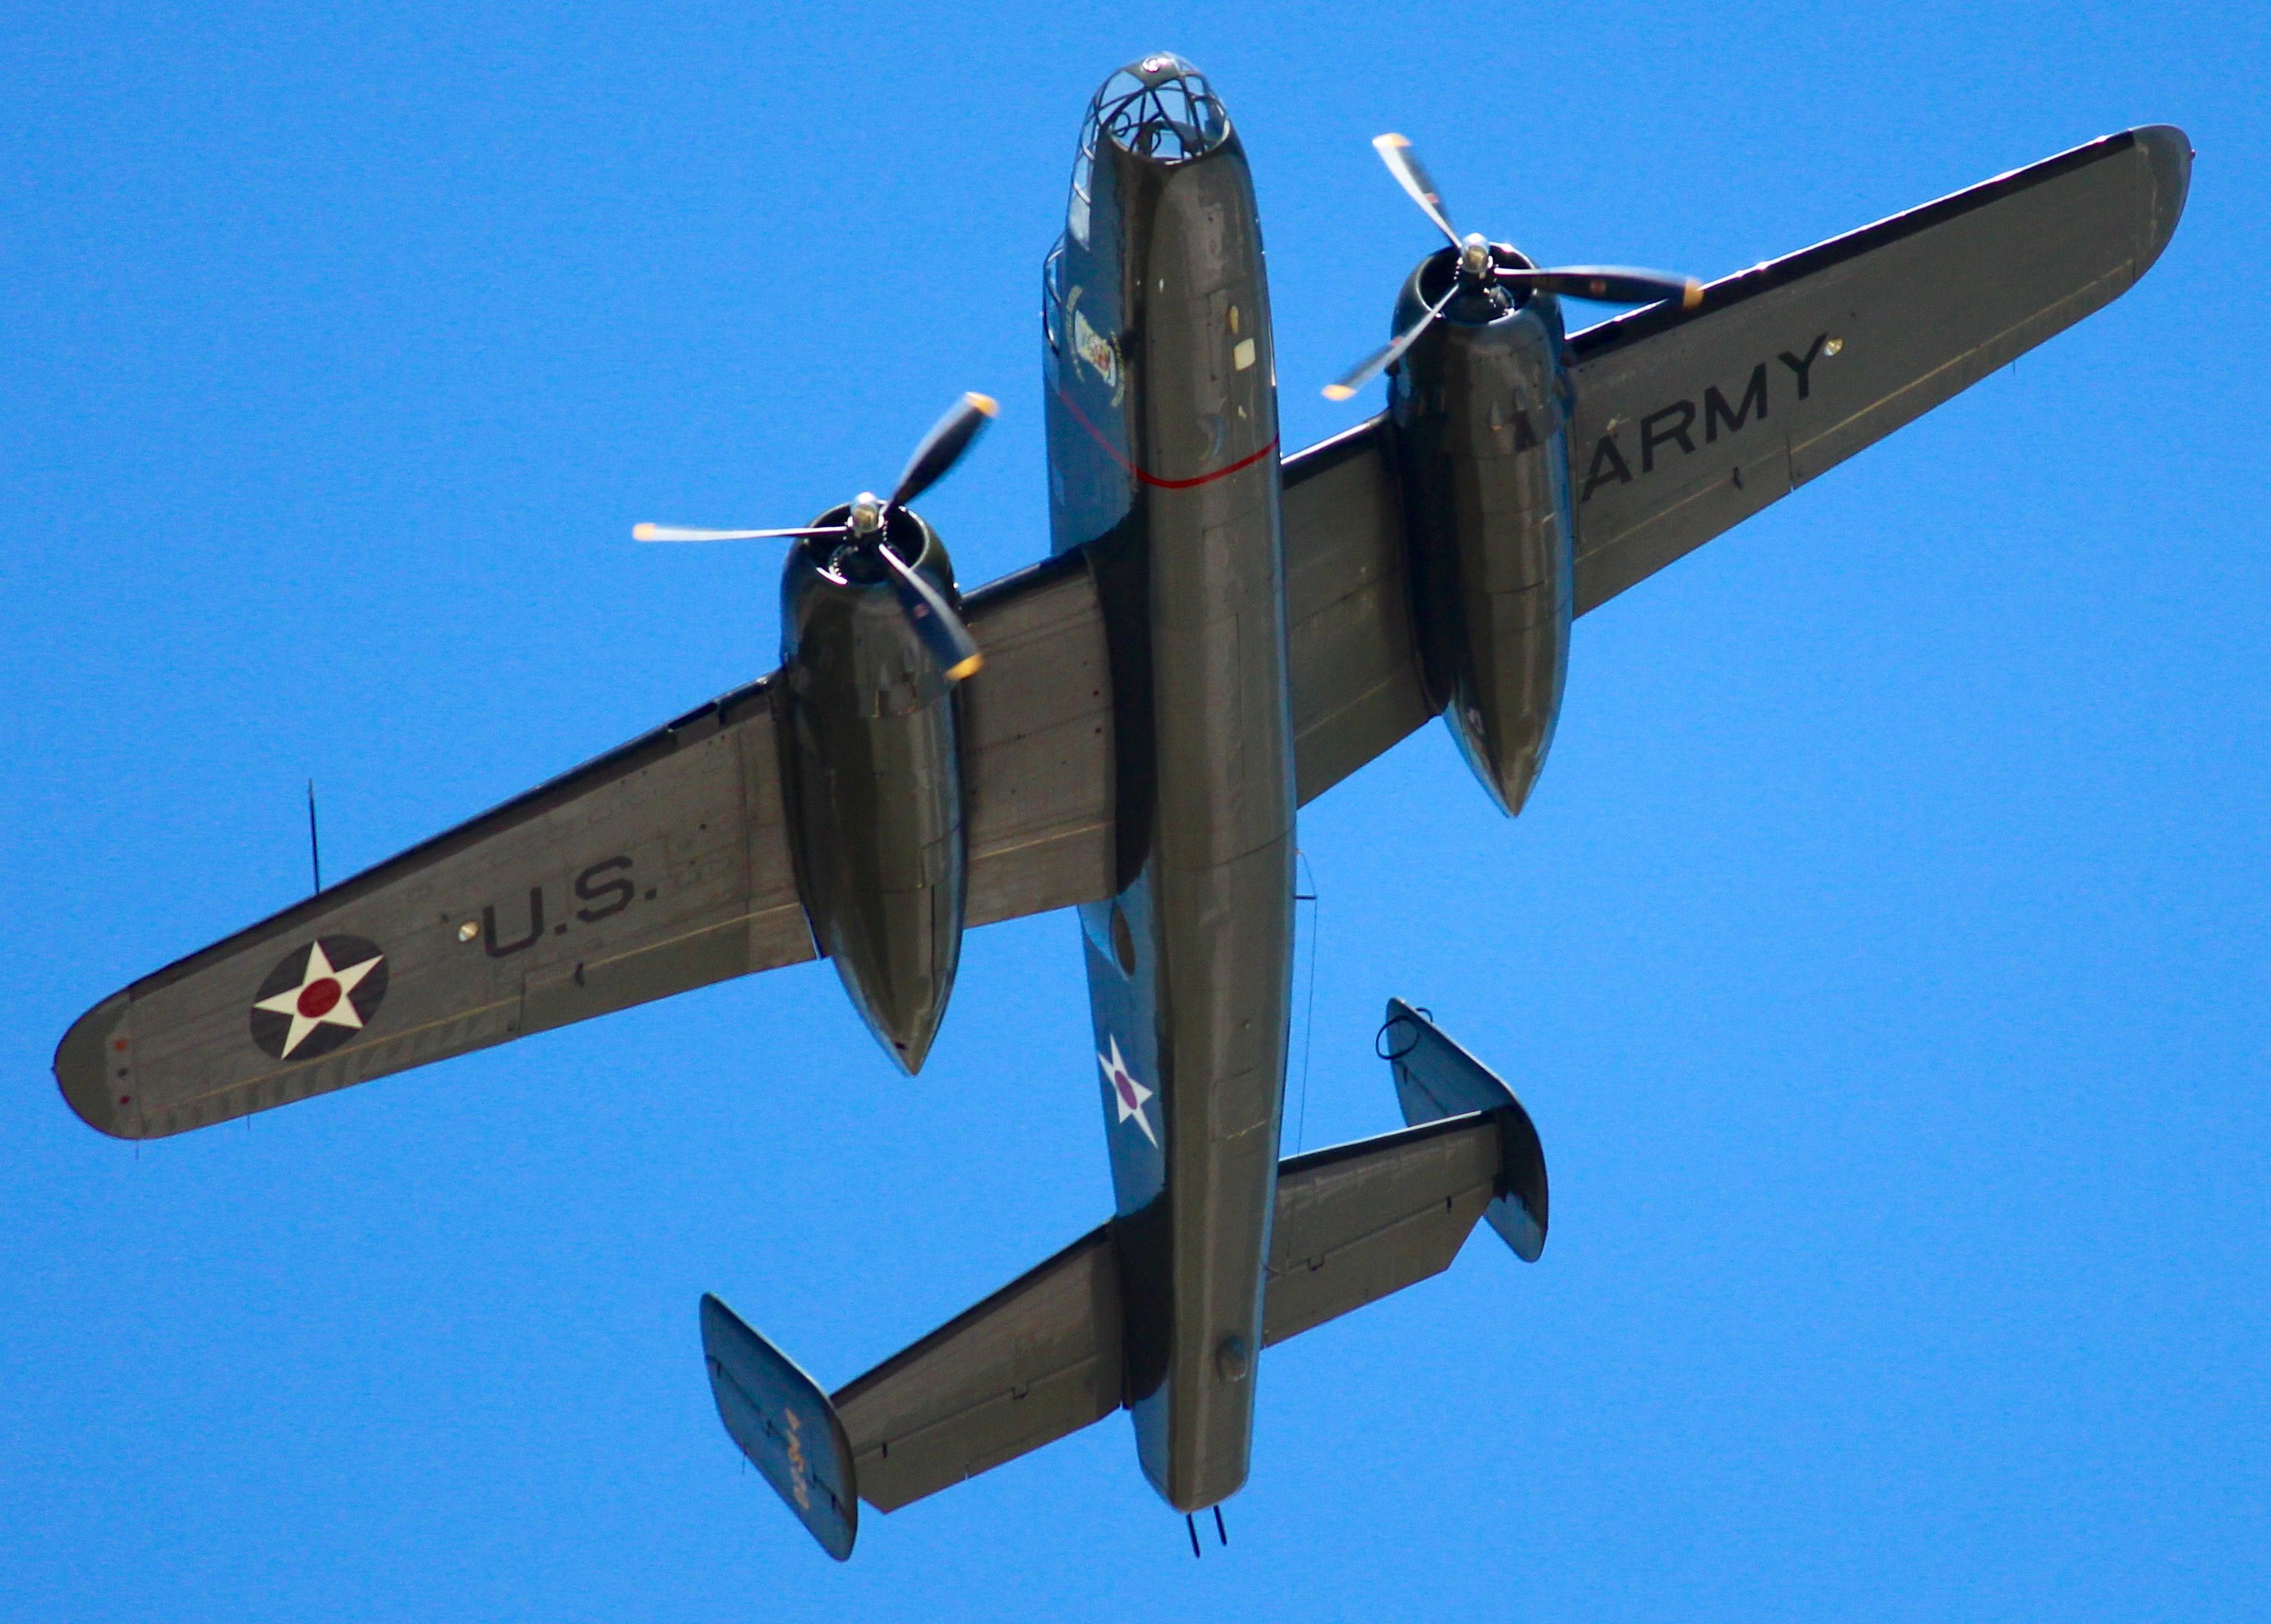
pixel 2168 153
pixel 100 1093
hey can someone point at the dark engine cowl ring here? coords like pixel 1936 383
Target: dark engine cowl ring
pixel 1472 305
pixel 850 564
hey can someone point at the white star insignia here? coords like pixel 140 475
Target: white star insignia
pixel 321 999
pixel 1126 1092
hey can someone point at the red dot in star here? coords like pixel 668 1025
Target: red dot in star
pixel 318 999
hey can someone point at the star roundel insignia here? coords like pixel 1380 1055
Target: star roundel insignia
pixel 318 996
pixel 1128 1095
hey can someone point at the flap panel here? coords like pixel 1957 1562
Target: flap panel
pixel 1351 663
pixel 1037 745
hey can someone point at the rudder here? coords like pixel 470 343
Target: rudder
pixel 1436 1078
pixel 784 1425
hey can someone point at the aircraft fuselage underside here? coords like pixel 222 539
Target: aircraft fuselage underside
pixel 1163 437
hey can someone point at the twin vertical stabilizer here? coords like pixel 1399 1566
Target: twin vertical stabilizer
pixel 786 1425
pixel 1436 1078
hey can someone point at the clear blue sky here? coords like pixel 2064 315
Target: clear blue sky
pixel 1883 957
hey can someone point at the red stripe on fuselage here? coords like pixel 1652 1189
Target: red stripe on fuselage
pixel 1148 478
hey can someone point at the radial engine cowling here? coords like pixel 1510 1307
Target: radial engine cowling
pixel 874 767
pixel 1481 427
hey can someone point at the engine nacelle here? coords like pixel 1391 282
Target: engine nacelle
pixel 1480 424
pixel 871 753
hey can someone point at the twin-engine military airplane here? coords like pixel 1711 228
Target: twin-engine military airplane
pixel 1127 728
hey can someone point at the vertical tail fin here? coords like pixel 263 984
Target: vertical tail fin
pixel 785 1424
pixel 1436 1078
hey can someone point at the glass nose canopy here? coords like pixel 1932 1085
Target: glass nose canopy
pixel 1159 108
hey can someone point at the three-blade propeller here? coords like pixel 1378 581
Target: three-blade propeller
pixel 936 622
pixel 1484 266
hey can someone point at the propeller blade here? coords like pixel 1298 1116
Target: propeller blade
pixel 1381 360
pixel 1403 163
pixel 943 446
pixel 936 622
pixel 673 532
pixel 1610 284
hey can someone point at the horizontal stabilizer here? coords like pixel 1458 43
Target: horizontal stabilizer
pixel 1358 1221
pixel 1436 1078
pixel 1038 1359
pixel 785 1424
pixel 1043 1357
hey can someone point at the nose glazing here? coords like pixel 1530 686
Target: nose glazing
pixel 1160 108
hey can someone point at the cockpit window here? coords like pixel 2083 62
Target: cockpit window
pixel 1083 174
pixel 1160 108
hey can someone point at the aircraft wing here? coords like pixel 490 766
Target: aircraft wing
pixel 662 866
pixel 1352 659
pixel 1833 348
pixel 1687 421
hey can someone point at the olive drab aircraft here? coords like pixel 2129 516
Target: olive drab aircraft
pixel 1220 634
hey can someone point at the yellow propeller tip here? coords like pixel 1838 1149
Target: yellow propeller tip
pixel 1693 297
pixel 1336 391
pixel 642 532
pixel 968 667
pixel 985 403
pixel 1384 142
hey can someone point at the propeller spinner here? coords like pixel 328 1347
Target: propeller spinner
pixel 936 622
pixel 1485 267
